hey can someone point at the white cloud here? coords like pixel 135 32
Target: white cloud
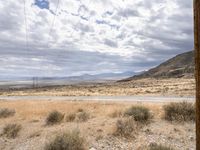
pixel 126 29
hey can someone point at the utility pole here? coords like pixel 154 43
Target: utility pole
pixel 197 67
pixel 35 82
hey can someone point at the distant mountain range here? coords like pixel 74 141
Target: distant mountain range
pixel 71 79
pixel 181 65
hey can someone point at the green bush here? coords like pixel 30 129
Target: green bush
pixel 54 117
pixel 5 112
pixel 182 111
pixel 67 141
pixel 125 128
pixel 139 113
pixel 155 146
pixel 11 130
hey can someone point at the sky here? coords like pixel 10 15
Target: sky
pixel 75 37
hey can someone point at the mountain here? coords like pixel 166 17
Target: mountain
pixel 181 65
pixel 68 79
pixel 101 77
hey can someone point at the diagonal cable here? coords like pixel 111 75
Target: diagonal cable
pixel 26 27
pixel 53 22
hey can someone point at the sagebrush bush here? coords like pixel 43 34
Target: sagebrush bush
pixel 155 146
pixel 5 112
pixel 67 141
pixel 70 117
pixel 116 113
pixel 125 128
pixel 182 111
pixel 54 117
pixel 139 113
pixel 11 130
pixel 80 110
pixel 82 116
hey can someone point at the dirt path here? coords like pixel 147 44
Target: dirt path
pixel 156 99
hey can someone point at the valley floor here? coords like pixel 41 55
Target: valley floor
pixel 149 86
pixel 98 130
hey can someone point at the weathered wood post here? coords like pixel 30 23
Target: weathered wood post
pixel 197 67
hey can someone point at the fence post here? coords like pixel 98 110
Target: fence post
pixel 196 8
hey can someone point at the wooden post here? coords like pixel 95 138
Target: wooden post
pixel 197 67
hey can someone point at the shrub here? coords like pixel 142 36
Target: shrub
pixel 80 110
pixel 54 117
pixel 125 128
pixel 182 111
pixel 116 113
pixel 11 130
pixel 67 141
pixel 5 112
pixel 70 117
pixel 82 116
pixel 139 113
pixel 155 146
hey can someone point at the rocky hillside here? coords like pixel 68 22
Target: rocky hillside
pixel 181 65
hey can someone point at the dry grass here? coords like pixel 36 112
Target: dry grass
pixel 139 113
pixel 182 111
pixel 174 86
pixel 36 110
pixel 5 112
pixel 54 117
pixel 11 130
pixel 126 127
pixel 116 114
pixel 67 141
pixel 155 146
pixel 70 117
pixel 82 116
pixel 31 114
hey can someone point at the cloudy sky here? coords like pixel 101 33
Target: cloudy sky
pixel 74 37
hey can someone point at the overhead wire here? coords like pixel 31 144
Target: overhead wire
pixel 53 22
pixel 26 26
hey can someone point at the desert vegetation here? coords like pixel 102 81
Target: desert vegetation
pixel 126 127
pixel 70 117
pixel 114 126
pixel 80 116
pixel 138 113
pixel 54 117
pixel 116 114
pixel 148 86
pixel 11 130
pixel 67 141
pixel 180 112
pixel 155 146
pixel 5 112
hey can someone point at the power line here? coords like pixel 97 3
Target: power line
pixel 53 21
pixel 89 1
pixel 25 21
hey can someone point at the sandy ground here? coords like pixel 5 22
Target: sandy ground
pixel 165 87
pixel 97 130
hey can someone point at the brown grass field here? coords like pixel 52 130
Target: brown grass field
pixel 97 131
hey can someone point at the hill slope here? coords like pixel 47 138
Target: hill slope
pixel 181 65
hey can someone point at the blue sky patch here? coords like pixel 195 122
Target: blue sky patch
pixel 42 4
